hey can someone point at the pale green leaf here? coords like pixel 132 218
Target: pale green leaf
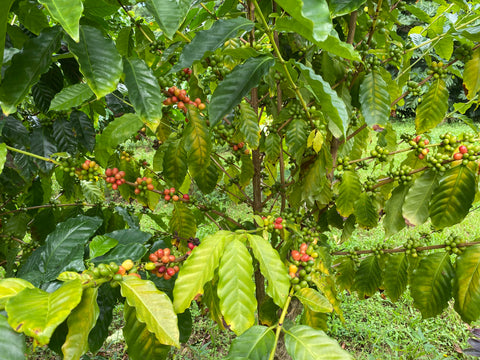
pixel 169 14
pixel 305 343
pixel 444 47
pixel 67 13
pixel 198 269
pixel 3 155
pixel 254 344
pixel 466 286
pixel 100 245
pixel 374 99
pixel 271 266
pixel 314 300
pixel 236 289
pixel 349 191
pixel 471 75
pixel 249 125
pixel 80 322
pixel 10 287
pixel 416 205
pixel 38 313
pixel 432 109
pixel 153 308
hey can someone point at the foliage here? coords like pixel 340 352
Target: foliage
pixel 285 107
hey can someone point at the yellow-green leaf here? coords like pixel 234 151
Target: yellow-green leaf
pixel 10 287
pixel 433 107
pixel 466 287
pixel 153 308
pixel 471 75
pixel 67 13
pixel 314 300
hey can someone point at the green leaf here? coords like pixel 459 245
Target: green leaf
pixel 249 125
pixel 107 299
pixel 444 47
pixel 144 92
pixel 453 197
pixel 210 40
pixel 432 109
pixel 125 42
pixel 70 97
pixel 31 16
pixel 349 191
pixel 374 99
pixel 343 7
pixel 182 221
pixel 368 277
pixel 313 15
pixel 3 155
pixel 63 250
pixel 236 85
pixel 466 286
pixel 207 178
pixel 142 344
pixel 236 289
pixel 37 313
pixel 335 46
pixel 272 147
pixel 99 60
pixel 314 300
pixel 92 192
pixel 100 245
pixel 67 13
pixel 254 344
pixel 332 105
pixel 395 275
pixel 116 132
pixel 271 266
pixel 393 221
pixel 10 287
pixel 416 204
pixel 80 322
pixel 84 129
pixel 296 137
pixel 431 284
pixel 198 269
pixel 174 163
pixel 197 142
pixel 43 144
pixel 305 343
pixel 27 67
pixel 153 308
pixel 169 14
pixel 471 75
pixel 12 346
pixel 4 12
pixel 365 211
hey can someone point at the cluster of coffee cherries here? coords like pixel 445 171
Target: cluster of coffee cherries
pixel 224 132
pixel 462 153
pixel 296 111
pixel 126 156
pixel 343 164
pixel 68 166
pixel 372 63
pixel 437 70
pixel 378 250
pixel 89 170
pixel 301 266
pixel 449 141
pixel 438 161
pixel 464 52
pixel 180 98
pixel 380 153
pixel 240 146
pixel 105 271
pixel 169 194
pixel 395 54
pixel 156 46
pixel 452 245
pixel 142 185
pixel 192 244
pixel 46 121
pixel 402 174
pixel 184 74
pixel 114 177
pixel 353 254
pixel 216 66
pixel 162 264
pixel 272 224
pixel 413 88
pixel 419 144
pixel 411 247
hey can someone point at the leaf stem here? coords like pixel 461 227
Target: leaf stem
pixel 280 324
pixel 32 155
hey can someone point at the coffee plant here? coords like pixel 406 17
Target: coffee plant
pixel 270 104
